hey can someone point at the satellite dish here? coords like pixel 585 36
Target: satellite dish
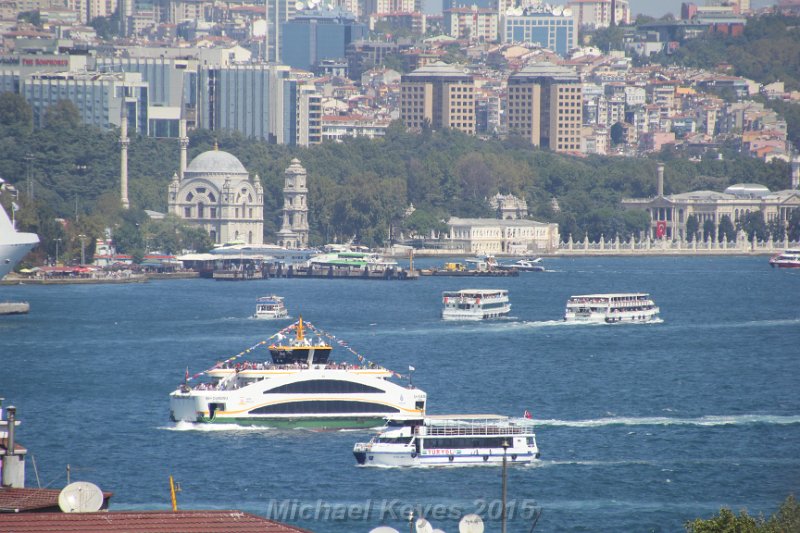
pixel 471 523
pixel 567 11
pixel 384 529
pixel 298 5
pixel 423 526
pixel 80 497
pixel 557 10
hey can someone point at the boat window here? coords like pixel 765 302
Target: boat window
pixel 395 440
pixel 323 407
pixel 468 442
pixel 323 386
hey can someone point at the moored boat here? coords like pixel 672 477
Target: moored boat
pixel 475 304
pixel 14 245
pixel 611 308
pixel 448 440
pixel 787 259
pixel 270 308
pixel 524 265
pixel 299 387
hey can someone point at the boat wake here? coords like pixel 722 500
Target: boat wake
pixel 191 426
pixel 710 420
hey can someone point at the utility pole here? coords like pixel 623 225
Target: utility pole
pixel 505 483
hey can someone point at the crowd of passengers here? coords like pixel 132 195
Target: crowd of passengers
pixel 249 365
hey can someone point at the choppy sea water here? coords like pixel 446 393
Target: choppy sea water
pixel 641 427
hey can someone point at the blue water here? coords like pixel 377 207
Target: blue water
pixel 641 427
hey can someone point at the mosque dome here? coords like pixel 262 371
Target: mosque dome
pixel 216 162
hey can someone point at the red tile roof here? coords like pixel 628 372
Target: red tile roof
pixel 144 522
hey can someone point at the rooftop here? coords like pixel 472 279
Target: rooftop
pixel 144 521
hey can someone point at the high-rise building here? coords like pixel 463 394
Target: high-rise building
pixel 277 12
pixel 550 29
pixel 473 23
pixel 259 101
pixel 439 95
pixel 597 13
pixel 545 106
pixel 310 38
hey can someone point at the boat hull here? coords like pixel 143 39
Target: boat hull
pixel 474 458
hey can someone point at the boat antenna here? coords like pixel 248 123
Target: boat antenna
pixel 300 328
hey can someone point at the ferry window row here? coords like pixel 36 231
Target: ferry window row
pixel 494 442
pixel 323 407
pixel 323 386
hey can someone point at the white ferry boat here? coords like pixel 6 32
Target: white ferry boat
pixel 475 304
pixel 299 387
pixel 787 259
pixel 611 308
pixel 450 440
pixel 270 308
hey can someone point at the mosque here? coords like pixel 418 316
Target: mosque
pixel 217 193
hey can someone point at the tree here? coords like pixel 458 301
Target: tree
pixel 692 227
pixel 785 520
pixel 726 231
pixel 793 227
pixel 617 133
pixel 753 225
pixel 63 115
pixel 708 230
pixel 15 113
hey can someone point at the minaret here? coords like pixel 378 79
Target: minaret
pixel 123 155
pixel 184 142
pixel 795 172
pixel 294 229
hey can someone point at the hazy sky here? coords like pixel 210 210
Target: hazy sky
pixel 654 8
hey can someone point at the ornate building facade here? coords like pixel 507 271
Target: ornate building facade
pixel 217 193
pixel 294 229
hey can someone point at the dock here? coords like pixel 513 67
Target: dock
pixel 14 308
pixel 341 272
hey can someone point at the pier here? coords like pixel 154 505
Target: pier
pixel 14 308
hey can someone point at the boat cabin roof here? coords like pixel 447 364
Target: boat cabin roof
pixel 613 295
pixel 270 299
pixel 475 292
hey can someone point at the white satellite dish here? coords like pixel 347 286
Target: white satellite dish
pixel 518 11
pixel 557 10
pixel 298 5
pixel 470 523
pixel 567 11
pixel 423 526
pixel 384 529
pixel 80 497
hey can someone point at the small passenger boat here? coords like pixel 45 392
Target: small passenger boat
pixel 611 308
pixel 787 259
pixel 446 440
pixel 524 265
pixel 475 304
pixel 270 308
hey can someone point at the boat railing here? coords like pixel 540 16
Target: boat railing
pixel 479 429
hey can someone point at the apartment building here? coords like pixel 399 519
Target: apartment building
pixel 439 95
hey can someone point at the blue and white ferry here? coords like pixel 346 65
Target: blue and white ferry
pixel 446 440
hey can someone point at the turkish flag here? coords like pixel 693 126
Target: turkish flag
pixel 661 229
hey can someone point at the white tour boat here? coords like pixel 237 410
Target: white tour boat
pixel 299 387
pixel 450 440
pixel 611 308
pixel 475 304
pixel 787 259
pixel 270 308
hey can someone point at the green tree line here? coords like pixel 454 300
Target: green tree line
pixel 358 189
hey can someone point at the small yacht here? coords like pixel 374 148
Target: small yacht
pixel 475 304
pixel 611 308
pixel 787 259
pixel 525 265
pixel 445 440
pixel 270 308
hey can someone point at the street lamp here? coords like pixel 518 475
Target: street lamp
pixel 505 483
pixel 82 237
pixel 57 242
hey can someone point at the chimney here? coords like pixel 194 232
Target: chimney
pixel 13 463
pixel 660 179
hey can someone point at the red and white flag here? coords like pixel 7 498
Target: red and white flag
pixel 528 414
